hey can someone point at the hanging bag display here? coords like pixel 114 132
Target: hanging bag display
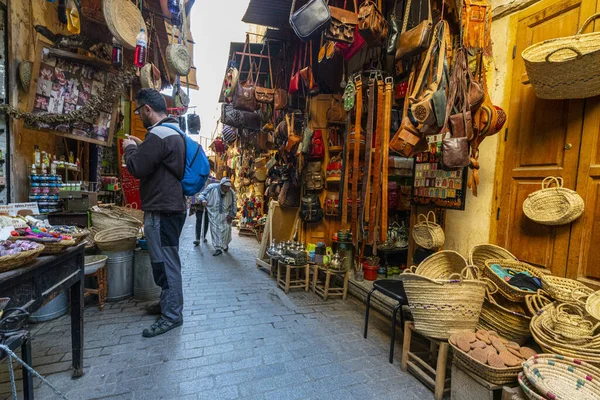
pixel 264 94
pixel 309 20
pixel 476 24
pixel 394 26
pixel 348 51
pixel 343 24
pixel 295 77
pixel 230 81
pixel 244 97
pixel 280 97
pixel 307 72
pixel 240 119
pixel 372 24
pixel 415 40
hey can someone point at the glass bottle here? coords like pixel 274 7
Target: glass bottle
pixel 37 156
pixel 71 157
pixel 139 58
pixel 117 53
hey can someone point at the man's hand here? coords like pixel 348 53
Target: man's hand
pixel 137 140
pixel 204 203
pixel 229 219
pixel 129 142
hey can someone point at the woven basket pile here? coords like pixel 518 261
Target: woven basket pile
pixel 14 261
pixel 592 305
pixel 553 205
pixel 480 253
pixel 509 319
pixel 567 67
pixel 442 307
pixel 117 239
pixel 553 376
pixel 507 290
pixel 562 289
pixel 107 218
pixel 427 233
pixel 442 264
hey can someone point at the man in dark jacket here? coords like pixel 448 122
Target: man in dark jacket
pixel 159 163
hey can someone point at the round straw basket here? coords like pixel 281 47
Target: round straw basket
pixel 567 67
pixel 14 261
pixel 507 290
pixel 528 388
pixel 117 239
pixel 553 205
pixel 106 218
pixel 178 59
pixel 441 308
pixel 506 318
pixel 482 252
pixel 80 236
pixel 124 21
pixel 560 377
pixel 442 264
pixel 427 233
pixel 498 376
pixel 562 288
pixel 592 305
pixel 570 323
pixel 132 212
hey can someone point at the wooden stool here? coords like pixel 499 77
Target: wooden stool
pixel 100 276
pixel 435 378
pixel 287 283
pixel 324 288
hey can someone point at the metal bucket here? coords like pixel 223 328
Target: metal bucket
pixel 57 307
pixel 144 287
pixel 119 274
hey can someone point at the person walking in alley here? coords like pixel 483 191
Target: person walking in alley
pixel 221 205
pixel 198 209
pixel 159 163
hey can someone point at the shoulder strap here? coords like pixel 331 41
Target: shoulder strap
pixel 438 44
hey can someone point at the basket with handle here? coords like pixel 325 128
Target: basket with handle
pixel 441 308
pixel 569 322
pixel 442 264
pixel 528 388
pixel 592 305
pixel 536 301
pixel 507 290
pixel 553 205
pixel 566 67
pixel 562 288
pixel 480 253
pixel 427 233
pixel 107 218
pixel 117 239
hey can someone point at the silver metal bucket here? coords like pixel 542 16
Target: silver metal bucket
pixel 144 287
pixel 119 274
pixel 57 307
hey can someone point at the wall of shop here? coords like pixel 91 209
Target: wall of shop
pixel 23 16
pixel 476 224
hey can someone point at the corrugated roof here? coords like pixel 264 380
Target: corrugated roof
pixel 272 13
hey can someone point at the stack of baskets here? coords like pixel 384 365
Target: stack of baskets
pixel 117 239
pixel 444 295
pixel 107 218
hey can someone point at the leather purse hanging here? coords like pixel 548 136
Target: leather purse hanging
pixel 336 112
pixel 350 50
pixel 239 119
pixel 476 24
pixel 307 72
pixel 394 26
pixel 310 19
pixel 415 40
pixel 263 94
pixel 343 24
pixel 280 97
pixel 244 95
pixel 295 78
pixel 372 24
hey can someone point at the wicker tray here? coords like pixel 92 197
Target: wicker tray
pixel 79 237
pixel 117 239
pixel 50 247
pixel 498 376
pixel 504 318
pixel 506 289
pixel 14 261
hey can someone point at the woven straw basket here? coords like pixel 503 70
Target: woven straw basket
pixel 528 388
pixel 427 233
pixel 592 305
pixel 178 59
pixel 442 264
pixel 124 21
pixel 570 323
pixel 567 67
pixel 117 239
pixel 507 290
pixel 553 205
pixel 480 253
pixel 562 289
pixel 441 308
pixel 108 218
pixel 560 377
pixel 506 318
pixel 14 261
pixel 498 376
pixel 536 301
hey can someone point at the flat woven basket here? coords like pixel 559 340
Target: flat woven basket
pixel 441 265
pixel 567 67
pixel 528 388
pixel 560 377
pixel 505 318
pixel 562 289
pixel 124 21
pixel 498 376
pixel 592 305
pixel 507 290
pixel 178 58
pixel 50 247
pixel 117 239
pixel 480 253
pixel 14 261
pixel 569 322
pixel 427 233
pixel 441 308
pixel 553 205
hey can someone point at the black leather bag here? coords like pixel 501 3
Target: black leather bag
pixel 310 208
pixel 240 119
pixel 394 27
pixel 193 122
pixel 309 20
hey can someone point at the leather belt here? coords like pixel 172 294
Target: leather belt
pixel 387 122
pixel 343 204
pixel 355 161
pixel 373 219
pixel 366 187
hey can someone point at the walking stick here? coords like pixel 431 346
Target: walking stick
pixel 202 232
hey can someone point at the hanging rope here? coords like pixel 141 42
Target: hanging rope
pixel 10 355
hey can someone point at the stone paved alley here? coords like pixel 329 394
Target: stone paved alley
pixel 242 339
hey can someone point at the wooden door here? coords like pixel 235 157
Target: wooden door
pixel 544 138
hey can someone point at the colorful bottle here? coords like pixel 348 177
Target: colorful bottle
pixel 139 58
pixel 117 54
pixel 71 158
pixel 174 6
pixel 37 156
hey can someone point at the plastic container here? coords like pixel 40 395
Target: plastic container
pixel 370 272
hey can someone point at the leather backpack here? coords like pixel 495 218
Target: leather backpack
pixel 372 24
pixel 310 208
pixel 317 146
pixel 313 176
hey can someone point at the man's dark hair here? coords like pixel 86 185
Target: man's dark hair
pixel 152 98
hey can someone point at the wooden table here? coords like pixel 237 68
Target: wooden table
pixel 29 286
pixel 325 288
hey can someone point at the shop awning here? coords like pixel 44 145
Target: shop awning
pixel 273 13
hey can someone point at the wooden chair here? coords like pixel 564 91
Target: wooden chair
pixel 285 281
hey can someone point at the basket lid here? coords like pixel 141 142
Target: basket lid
pixel 124 21
pixel 178 59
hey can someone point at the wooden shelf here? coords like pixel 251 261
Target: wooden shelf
pixel 336 149
pixel 78 57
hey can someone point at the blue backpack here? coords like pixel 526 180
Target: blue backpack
pixel 197 168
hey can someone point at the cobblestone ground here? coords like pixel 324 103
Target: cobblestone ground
pixel 242 339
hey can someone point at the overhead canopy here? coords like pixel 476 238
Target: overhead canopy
pixel 272 13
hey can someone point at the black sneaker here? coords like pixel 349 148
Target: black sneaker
pixel 196 243
pixel 153 308
pixel 205 240
pixel 226 249
pixel 161 326
pixel 217 252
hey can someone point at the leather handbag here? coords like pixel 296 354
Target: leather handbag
pixel 263 94
pixel 348 51
pixel 230 81
pixel 455 152
pixel 476 23
pixel 244 97
pixel 372 24
pixel 407 141
pixel 310 19
pixel 310 208
pixel 343 24
pixel 313 176
pixel 415 40
pixel 394 26
pixel 289 195
pixel 307 72
pixel 295 77
pixel 280 97
pixel 239 119
pixel 336 112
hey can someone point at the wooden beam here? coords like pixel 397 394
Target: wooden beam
pixel 511 8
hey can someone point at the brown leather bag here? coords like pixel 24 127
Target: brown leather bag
pixel 417 39
pixel 343 23
pixel 307 73
pixel 244 98
pixel 476 23
pixel 280 98
pixel 372 24
pixel 263 94
pixel 407 141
